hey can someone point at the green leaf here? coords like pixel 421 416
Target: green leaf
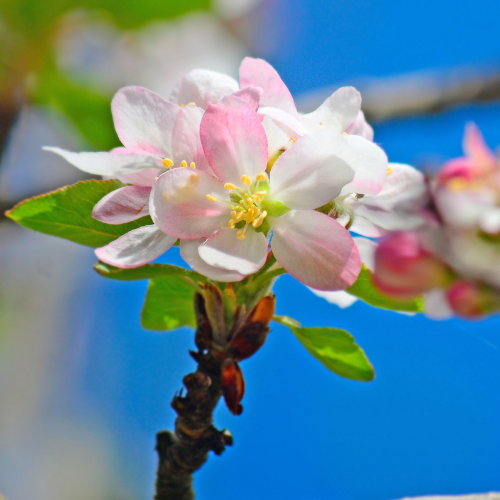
pixel 365 290
pixel 334 348
pixel 148 271
pixel 169 304
pixel 88 110
pixel 67 213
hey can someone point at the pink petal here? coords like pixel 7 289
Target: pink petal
pixel 189 252
pixel 315 249
pixel 366 249
pixel 178 203
pixel 251 95
pixel 136 248
pixel 289 124
pixel 234 140
pixel 226 251
pixel 312 172
pixel 203 87
pixel 123 205
pixel 110 164
pixel 260 73
pixel 144 120
pixel 336 113
pixel 360 127
pixel 476 148
pixel 369 163
pixel 186 142
pixel 141 178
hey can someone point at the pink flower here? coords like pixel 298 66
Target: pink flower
pixel 340 113
pixel 472 300
pixel 235 211
pixel 156 135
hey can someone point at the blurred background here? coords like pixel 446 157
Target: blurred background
pixel 83 389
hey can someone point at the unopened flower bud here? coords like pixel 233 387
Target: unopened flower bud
pixel 472 300
pixel 404 269
pixel 233 386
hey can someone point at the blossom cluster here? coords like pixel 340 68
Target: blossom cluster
pixel 233 173
pixel 454 258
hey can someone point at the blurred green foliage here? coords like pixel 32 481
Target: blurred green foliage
pixel 28 30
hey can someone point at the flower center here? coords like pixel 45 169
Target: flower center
pixel 245 204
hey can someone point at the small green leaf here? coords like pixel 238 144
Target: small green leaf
pixel 169 304
pixel 146 272
pixel 334 348
pixel 67 213
pixel 365 290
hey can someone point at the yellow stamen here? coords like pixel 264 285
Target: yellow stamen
pixel 192 165
pixel 292 140
pixel 246 180
pixel 211 198
pixel 390 170
pixel 257 223
pixel 261 193
pixel 231 224
pixel 256 198
pixel 233 214
pixel 167 163
pixel 241 235
pixel 191 104
pixel 184 163
pixel 457 184
pixel 240 216
pixel 261 177
pixel 156 178
pixel 344 133
pixel 250 201
pixel 229 186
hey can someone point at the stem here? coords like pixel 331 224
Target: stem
pixel 184 451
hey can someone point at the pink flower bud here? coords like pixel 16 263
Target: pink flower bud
pixel 471 300
pixel 404 269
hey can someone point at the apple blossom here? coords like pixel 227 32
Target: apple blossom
pixel 235 210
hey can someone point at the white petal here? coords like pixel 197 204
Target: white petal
pixel 110 164
pixel 436 304
pixel 490 221
pixel 339 298
pixel 369 163
pixel 360 127
pixel 186 142
pixel 123 205
pixel 136 248
pixel 315 249
pixel 312 172
pixel 366 249
pixel 179 206
pixel 364 227
pixel 144 121
pixel 289 124
pixel 226 251
pixel 140 178
pixel 189 252
pixel 203 87
pixel 336 113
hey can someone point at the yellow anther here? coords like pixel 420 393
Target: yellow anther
pixel 241 235
pixel 191 104
pixel 184 163
pixel 211 198
pixel 457 184
pixel 261 177
pixel 229 186
pixel 257 223
pixel 233 214
pixel 192 165
pixel 261 193
pixel 344 133
pixel 240 216
pixel 231 224
pixel 263 215
pixel 156 178
pixel 256 198
pixel 246 180
pixel 390 170
pixel 167 163
pixel 292 140
pixel 250 201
